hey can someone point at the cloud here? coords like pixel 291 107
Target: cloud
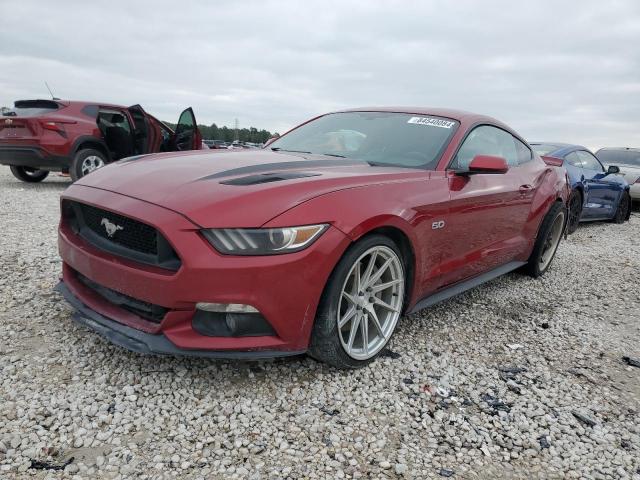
pixel 561 71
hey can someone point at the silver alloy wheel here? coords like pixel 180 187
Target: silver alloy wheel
pixel 32 172
pixel 371 302
pixel 552 241
pixel 91 163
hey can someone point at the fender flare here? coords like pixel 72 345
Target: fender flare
pixel 93 142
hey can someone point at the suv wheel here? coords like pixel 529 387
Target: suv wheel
pixel 86 161
pixel 361 304
pixel 28 174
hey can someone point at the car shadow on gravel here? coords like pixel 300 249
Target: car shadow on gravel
pixel 38 187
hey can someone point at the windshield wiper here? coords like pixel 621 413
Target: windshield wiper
pixel 333 155
pixel 278 149
pixel 395 165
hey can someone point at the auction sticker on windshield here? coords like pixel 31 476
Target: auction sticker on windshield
pixel 434 122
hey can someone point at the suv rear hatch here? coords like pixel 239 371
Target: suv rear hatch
pixel 24 121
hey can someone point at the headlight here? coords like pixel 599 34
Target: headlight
pixel 263 241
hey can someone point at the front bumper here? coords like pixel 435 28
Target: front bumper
pixel 285 289
pixel 146 343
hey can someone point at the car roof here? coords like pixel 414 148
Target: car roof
pixel 454 114
pixel 77 103
pixel 81 103
pixel 620 148
pixel 561 148
pixel 466 119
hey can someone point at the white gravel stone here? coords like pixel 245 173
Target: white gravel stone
pixel 472 405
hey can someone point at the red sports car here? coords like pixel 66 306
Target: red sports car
pixel 317 243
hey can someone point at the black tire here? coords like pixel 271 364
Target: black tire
pixel 624 209
pixel 28 174
pixel 325 344
pixel 575 211
pixel 541 246
pixel 76 168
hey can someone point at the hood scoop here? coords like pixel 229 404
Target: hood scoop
pixel 268 178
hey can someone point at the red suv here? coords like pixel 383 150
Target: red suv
pixel 39 136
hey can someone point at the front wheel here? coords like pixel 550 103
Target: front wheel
pixel 575 211
pixel 361 304
pixel 28 174
pixel 86 161
pixel 547 241
pixel 624 207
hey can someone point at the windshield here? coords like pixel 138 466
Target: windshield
pixel 379 138
pixel 543 148
pixel 613 157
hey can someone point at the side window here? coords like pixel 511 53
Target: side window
pixel 486 140
pixel 573 159
pixel 524 152
pixel 589 161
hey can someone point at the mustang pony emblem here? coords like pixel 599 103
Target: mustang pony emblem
pixel 111 228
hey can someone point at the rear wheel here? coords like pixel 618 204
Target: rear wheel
pixel 28 174
pixel 575 211
pixel 86 161
pixel 622 213
pixel 361 304
pixel 547 242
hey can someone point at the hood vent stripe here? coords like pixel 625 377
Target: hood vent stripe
pixel 270 167
pixel 268 178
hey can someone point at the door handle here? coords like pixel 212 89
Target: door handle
pixel 525 189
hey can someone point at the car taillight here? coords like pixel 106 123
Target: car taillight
pixel 53 126
pixel 56 126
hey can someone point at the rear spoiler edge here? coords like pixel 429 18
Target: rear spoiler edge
pixel 553 161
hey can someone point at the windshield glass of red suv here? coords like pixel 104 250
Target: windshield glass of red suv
pixel 378 138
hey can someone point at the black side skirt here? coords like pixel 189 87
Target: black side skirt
pixel 465 285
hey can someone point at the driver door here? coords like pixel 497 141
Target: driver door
pixel 187 136
pixel 488 211
pixel 602 193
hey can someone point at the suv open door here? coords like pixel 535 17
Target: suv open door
pixel 147 137
pixel 187 136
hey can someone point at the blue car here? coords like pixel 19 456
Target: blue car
pixel 596 193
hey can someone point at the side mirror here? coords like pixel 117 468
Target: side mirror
pixel 488 164
pixel 613 170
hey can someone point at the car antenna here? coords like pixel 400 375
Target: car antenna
pixel 52 96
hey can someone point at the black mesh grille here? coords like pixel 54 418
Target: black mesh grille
pixel 149 311
pixel 120 235
pixel 128 232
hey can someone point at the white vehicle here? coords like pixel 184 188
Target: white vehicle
pixel 628 159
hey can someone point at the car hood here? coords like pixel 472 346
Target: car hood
pixel 631 173
pixel 237 189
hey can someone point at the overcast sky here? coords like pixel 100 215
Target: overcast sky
pixel 553 70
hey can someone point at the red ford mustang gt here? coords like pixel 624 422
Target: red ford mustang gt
pixel 317 243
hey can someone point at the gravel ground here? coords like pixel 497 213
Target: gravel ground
pixel 520 378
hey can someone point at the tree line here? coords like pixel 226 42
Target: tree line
pixel 214 132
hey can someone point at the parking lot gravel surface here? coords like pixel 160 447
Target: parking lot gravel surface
pixel 519 378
